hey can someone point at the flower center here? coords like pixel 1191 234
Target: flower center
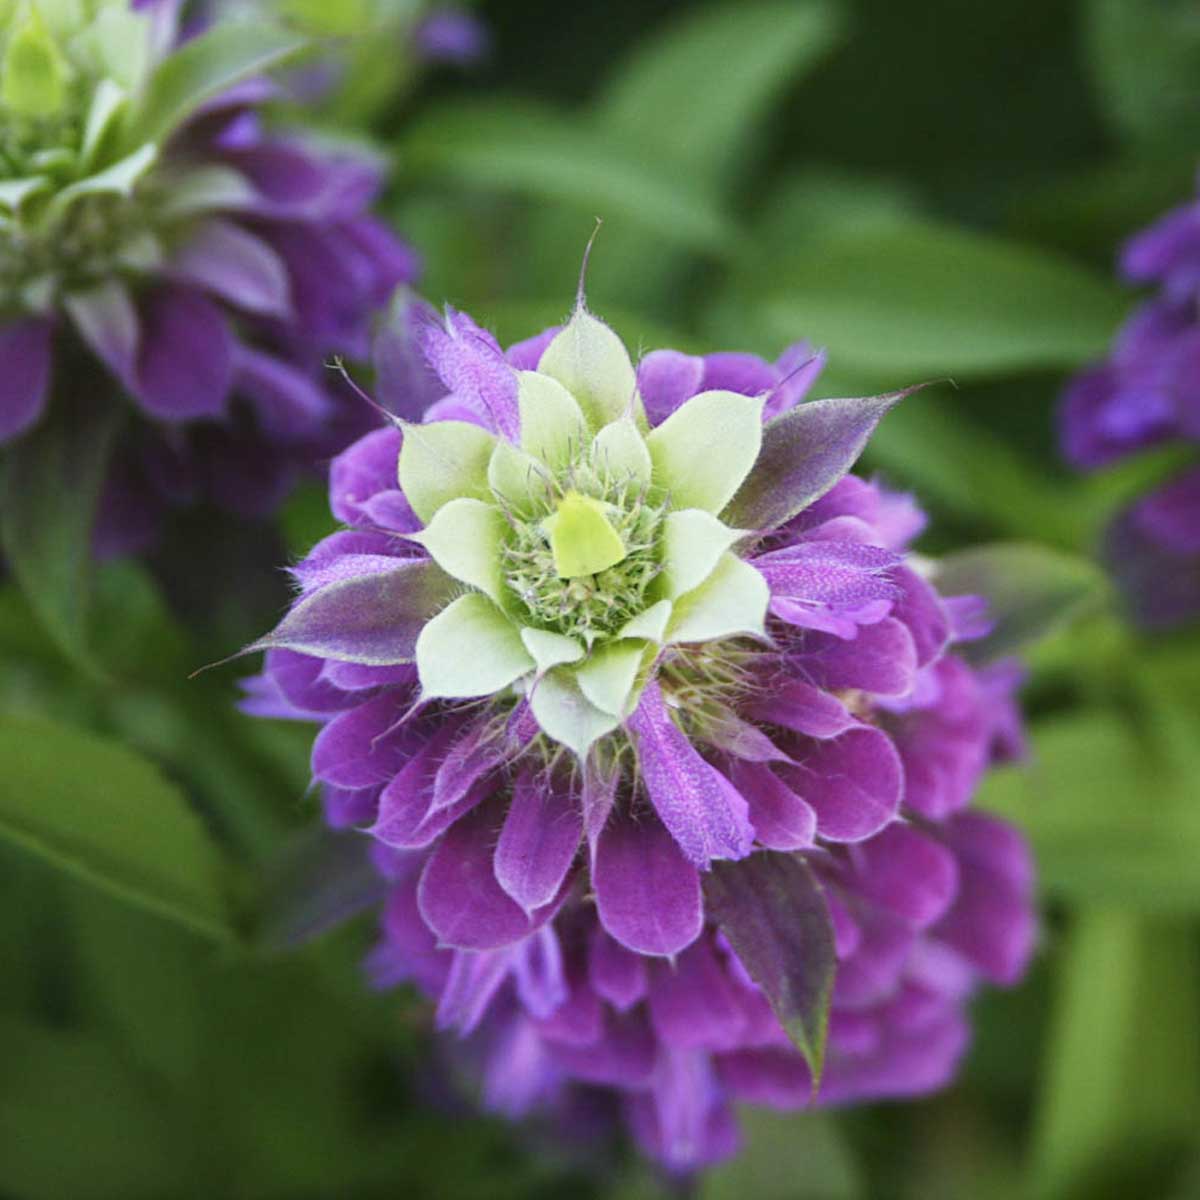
pixel 583 565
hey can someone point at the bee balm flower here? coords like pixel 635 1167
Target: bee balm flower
pixel 659 733
pixel 1145 394
pixel 149 225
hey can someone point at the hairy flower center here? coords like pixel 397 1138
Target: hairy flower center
pixel 583 563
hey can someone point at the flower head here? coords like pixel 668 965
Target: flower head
pixel 1146 394
pixel 659 733
pixel 149 222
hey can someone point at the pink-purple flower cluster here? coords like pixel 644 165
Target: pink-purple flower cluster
pixel 767 871
pixel 1147 393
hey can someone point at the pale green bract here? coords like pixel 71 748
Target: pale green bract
pixel 90 94
pixel 589 550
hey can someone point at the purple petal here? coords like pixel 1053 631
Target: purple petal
pixel 289 405
pixel 597 797
pixel 108 322
pixel 538 969
pixel 700 807
pixel 882 659
pixel 372 619
pixel 622 1057
pixel 299 679
pixel 225 259
pixel 361 471
pixel 854 783
pixel 782 820
pixel 908 873
pixel 404 383
pixel 469 362
pixel 478 752
pixel 804 453
pixel 365 746
pixel 475 978
pixel 24 374
pixel 647 893
pixel 459 896
pixel 525 355
pixel 615 973
pixel 829 572
pixel 538 842
pixel 802 708
pixel 666 378
pixel 731 371
pixel 920 608
pixel 692 1003
pixel 579 1020
pixel 185 368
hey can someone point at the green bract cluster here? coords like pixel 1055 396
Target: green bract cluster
pixel 591 547
pixel 88 97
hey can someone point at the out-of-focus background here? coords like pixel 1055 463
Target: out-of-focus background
pixel 931 190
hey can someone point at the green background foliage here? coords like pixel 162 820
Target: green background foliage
pixel 931 190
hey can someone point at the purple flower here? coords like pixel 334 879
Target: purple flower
pixel 659 732
pixel 1147 393
pixel 451 35
pixel 187 260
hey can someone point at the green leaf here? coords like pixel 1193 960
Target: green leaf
pixel 122 1142
pixel 552 424
pixel 566 714
pixel 693 542
pixel 787 1156
pixel 551 649
pixel 582 538
pixel 442 461
pixel 608 676
pixel 517 478
pixel 1111 821
pixel 470 649
pixel 1145 60
pixel 772 910
pixel 915 299
pixel 200 69
pixel 119 179
pixel 464 539
pixel 102 813
pixel 1031 591
pixel 34 74
pixel 541 154
pixel 933 444
pixel 620 451
pixel 50 490
pixel 1121 1093
pixel 591 362
pixel 705 449
pixel 650 624
pixel 731 601
pixel 693 94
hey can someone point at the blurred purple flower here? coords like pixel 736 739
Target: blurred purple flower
pixel 554 895
pixel 451 35
pixel 209 288
pixel 1147 393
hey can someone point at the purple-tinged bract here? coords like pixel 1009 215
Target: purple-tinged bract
pixel 159 244
pixel 660 732
pixel 1147 394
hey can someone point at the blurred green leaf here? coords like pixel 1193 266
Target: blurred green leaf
pixel 1031 591
pixel 201 68
pixel 786 1156
pixel 78 1121
pixel 1110 819
pixel 693 93
pixel 1145 61
pixel 98 811
pixel 1121 1092
pixel 901 301
pixel 533 151
pixel 50 489
pixel 933 444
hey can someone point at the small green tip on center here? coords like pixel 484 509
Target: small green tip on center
pixel 582 539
